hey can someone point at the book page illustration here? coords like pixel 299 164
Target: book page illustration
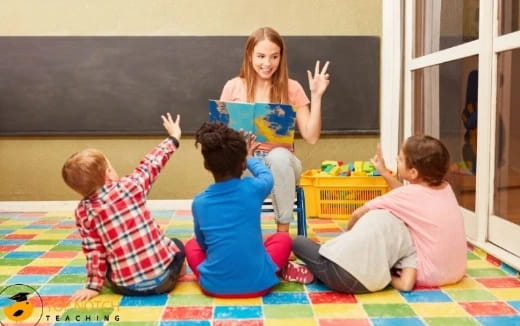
pixel 274 123
pixel 271 123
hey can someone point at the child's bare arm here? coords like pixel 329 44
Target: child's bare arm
pixel 379 164
pixel 356 215
pixel 404 279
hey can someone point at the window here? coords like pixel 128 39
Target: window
pixel 509 12
pixel 507 156
pixel 441 24
pixel 445 105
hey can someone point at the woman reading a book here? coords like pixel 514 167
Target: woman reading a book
pixel 264 77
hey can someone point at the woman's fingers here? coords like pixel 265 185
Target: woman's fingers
pixel 317 68
pixel 325 67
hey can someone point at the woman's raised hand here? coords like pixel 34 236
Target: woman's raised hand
pixel 320 81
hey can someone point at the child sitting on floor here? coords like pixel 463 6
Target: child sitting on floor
pixel 377 251
pixel 428 207
pixel 122 243
pixel 228 255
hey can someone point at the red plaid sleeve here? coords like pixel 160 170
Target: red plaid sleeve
pixel 93 249
pixel 151 165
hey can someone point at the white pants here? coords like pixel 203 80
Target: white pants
pixel 286 169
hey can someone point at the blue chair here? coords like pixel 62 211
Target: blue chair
pixel 299 208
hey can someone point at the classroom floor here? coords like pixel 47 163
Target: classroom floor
pixel 41 251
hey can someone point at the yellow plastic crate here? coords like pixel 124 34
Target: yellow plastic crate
pixel 338 197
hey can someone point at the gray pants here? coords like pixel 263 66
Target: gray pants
pixel 286 169
pixel 330 274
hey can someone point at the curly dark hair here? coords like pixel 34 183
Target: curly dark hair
pixel 428 156
pixel 224 149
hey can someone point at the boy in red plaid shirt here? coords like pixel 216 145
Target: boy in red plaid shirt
pixel 123 244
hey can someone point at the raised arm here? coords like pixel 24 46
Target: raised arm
pixel 309 121
pixel 151 165
pixel 172 127
pixel 263 176
pixel 379 164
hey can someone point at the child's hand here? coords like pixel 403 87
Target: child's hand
pixel 320 81
pixel 84 294
pixel 379 164
pixel 395 271
pixel 378 160
pixel 251 143
pixel 173 127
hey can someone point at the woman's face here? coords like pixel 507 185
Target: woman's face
pixel 265 59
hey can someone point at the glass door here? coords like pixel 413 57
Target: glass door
pixel 444 48
pixel 504 223
pixel 462 85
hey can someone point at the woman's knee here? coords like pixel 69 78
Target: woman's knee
pixel 278 158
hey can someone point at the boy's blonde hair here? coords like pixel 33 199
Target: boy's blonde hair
pixel 280 79
pixel 85 171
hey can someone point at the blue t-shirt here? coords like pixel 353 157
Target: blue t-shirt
pixel 227 226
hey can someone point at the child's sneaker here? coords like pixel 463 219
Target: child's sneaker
pixel 294 272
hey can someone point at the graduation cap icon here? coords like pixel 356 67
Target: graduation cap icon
pixel 20 296
pixel 21 309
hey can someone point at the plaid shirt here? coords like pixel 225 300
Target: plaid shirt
pixel 118 231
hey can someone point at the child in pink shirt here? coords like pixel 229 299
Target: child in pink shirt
pixel 427 205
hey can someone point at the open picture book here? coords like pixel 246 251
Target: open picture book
pixel 270 122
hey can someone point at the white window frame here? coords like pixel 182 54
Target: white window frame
pixel 395 127
pixel 391 85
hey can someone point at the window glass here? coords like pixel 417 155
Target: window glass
pixel 441 24
pixel 509 11
pixel 507 139
pixel 445 106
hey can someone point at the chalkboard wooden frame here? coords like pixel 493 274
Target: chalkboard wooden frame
pixel 120 85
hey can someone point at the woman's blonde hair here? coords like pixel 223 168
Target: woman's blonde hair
pixel 85 171
pixel 280 78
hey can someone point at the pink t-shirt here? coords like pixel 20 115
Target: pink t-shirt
pixel 437 227
pixel 235 91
